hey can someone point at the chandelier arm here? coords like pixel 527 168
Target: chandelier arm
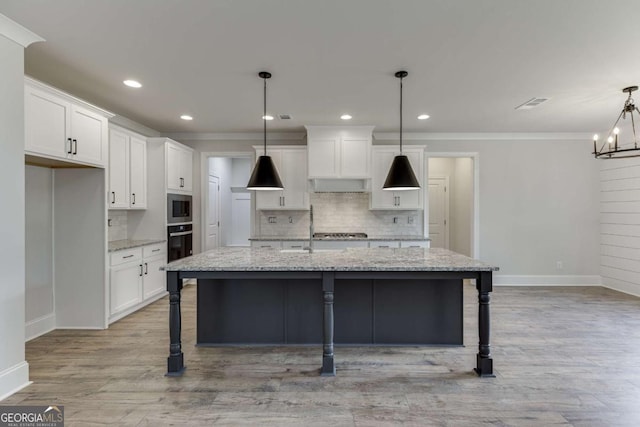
pixel 604 144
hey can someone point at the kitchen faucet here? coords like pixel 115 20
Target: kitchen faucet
pixel 310 229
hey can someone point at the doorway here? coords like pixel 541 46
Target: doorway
pixel 226 207
pixel 453 202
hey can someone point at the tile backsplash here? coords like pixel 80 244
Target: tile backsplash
pixel 117 225
pixel 340 213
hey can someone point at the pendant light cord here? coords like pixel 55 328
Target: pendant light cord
pixel 264 117
pixel 401 115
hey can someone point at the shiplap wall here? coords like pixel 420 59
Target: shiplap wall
pixel 620 224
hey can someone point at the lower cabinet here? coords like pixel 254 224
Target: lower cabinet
pixel 135 279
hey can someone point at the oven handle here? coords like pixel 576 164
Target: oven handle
pixel 182 233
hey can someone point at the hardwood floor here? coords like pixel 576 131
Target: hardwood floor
pixel 562 356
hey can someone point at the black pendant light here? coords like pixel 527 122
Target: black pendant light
pixel 265 175
pixel 401 176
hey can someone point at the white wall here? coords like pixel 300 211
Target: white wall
pixel 539 204
pixel 14 370
pixel 240 171
pixel 40 316
pixel 620 224
pixel 462 206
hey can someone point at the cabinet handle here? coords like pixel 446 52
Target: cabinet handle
pixel 156 250
pixel 296 246
pixel 75 148
pixel 284 201
pixel 134 198
pixel 128 256
pixel 146 268
pixel 383 246
pixel 113 197
pixel 70 146
pixel 140 270
pixel 181 182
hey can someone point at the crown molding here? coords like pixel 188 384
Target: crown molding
pixel 237 136
pixel 17 33
pixel 483 136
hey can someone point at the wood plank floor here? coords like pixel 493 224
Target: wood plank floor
pixel 563 356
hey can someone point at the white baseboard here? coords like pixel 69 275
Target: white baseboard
pixel 621 286
pixel 40 326
pixel 539 280
pixel 14 379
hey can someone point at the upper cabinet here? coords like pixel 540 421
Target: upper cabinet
pixel 291 165
pixel 61 127
pixel 339 152
pixel 127 169
pixel 179 168
pixel 382 156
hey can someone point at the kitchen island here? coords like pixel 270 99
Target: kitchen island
pixel 380 296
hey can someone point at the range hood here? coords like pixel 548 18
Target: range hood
pixel 339 185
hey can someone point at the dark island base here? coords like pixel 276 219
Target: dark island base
pixel 366 312
pixel 379 283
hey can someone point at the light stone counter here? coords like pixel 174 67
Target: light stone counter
pixel 119 245
pixel 317 239
pixel 351 259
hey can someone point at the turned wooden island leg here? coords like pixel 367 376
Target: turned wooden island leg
pixel 484 361
pixel 328 365
pixel 175 361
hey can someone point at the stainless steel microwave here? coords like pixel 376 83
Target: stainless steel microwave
pixel 178 208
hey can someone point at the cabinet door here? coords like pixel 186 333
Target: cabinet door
pixel 88 130
pixel 174 181
pixel 323 157
pixel 46 123
pixel 186 166
pixel 118 170
pixel 126 287
pixel 154 280
pixel 271 199
pixel 138 173
pixel 294 179
pixel 381 199
pixel 355 158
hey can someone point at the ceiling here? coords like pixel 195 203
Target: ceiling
pixel 470 62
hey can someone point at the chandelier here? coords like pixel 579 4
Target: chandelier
pixel 611 148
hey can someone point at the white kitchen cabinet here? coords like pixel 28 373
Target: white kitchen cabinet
pixel 127 170
pixel 295 244
pixel 339 152
pixel 179 168
pixel 135 279
pixel 381 159
pixel 339 244
pixel 291 165
pixel 61 127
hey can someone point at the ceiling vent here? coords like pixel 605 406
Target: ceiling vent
pixel 284 116
pixel 532 103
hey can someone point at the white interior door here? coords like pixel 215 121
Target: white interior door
pixel 240 219
pixel 213 213
pixel 439 212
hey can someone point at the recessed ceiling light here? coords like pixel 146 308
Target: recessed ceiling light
pixel 267 117
pixel 186 117
pixel 423 117
pixel 132 83
pixel 345 117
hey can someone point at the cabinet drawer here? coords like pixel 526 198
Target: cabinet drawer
pixel 295 244
pixel 414 244
pixel 277 244
pixel 384 244
pixel 126 255
pixel 153 250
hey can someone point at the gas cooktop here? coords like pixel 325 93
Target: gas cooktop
pixel 340 235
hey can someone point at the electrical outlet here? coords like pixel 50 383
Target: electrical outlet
pixel 272 220
pixel 410 220
pixel 395 219
pixel 290 220
pixel 559 265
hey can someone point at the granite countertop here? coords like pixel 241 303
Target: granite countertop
pixel 351 259
pixel 119 245
pixel 317 239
